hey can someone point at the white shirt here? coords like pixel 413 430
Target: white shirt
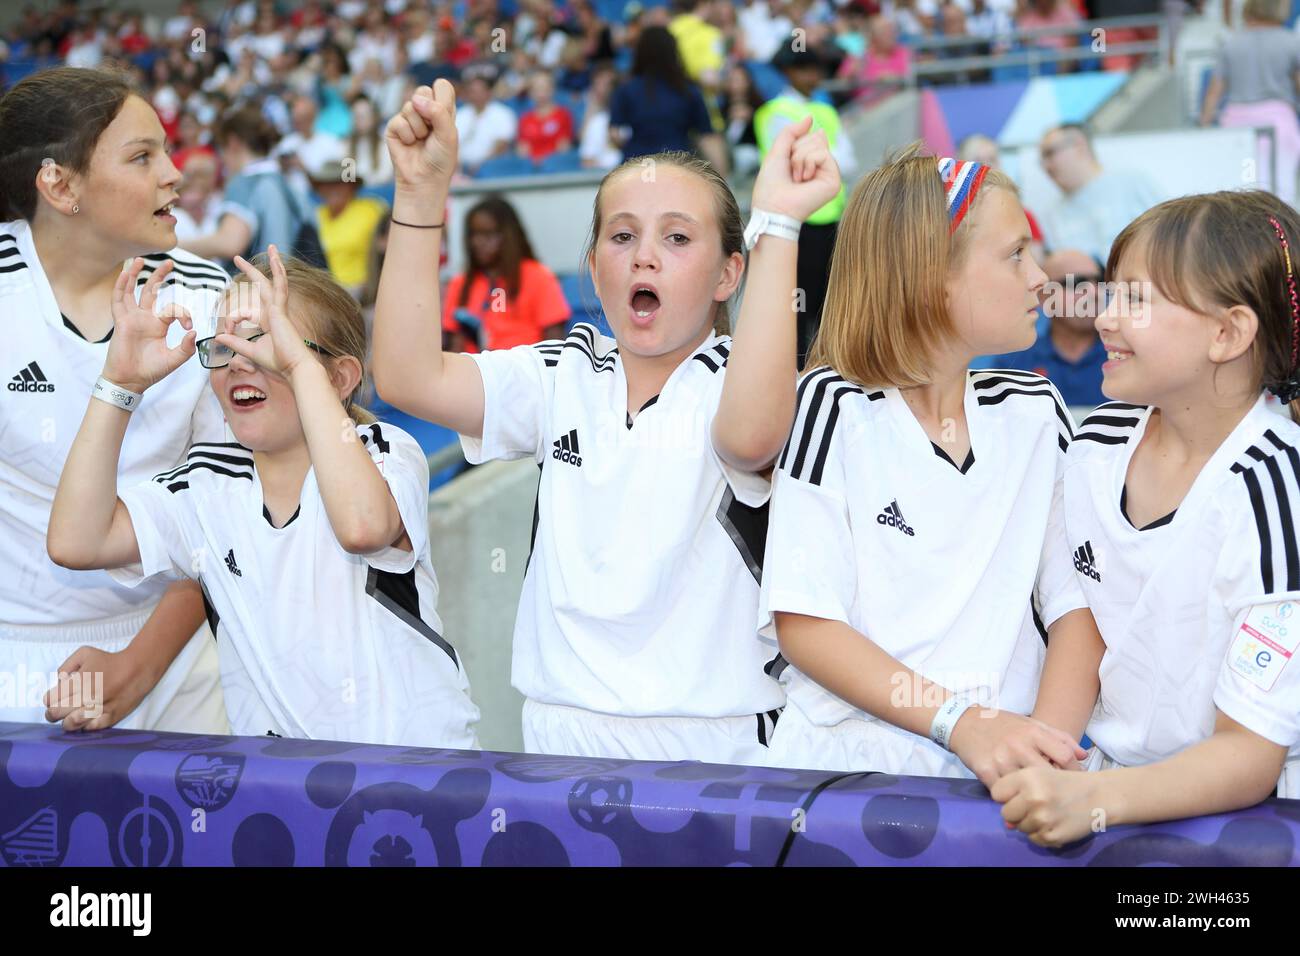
pixel 954 574
pixel 480 132
pixel 314 642
pixel 47 379
pixel 1197 611
pixel 640 593
pixel 1091 217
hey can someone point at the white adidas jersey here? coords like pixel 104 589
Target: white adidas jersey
pixel 1199 610
pixel 47 378
pixel 314 642
pixel 950 570
pixel 640 593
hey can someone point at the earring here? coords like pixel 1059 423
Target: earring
pixel 75 209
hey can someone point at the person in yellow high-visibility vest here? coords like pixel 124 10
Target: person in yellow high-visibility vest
pixel 804 71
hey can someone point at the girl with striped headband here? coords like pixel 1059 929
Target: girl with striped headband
pixel 915 561
pixel 1181 500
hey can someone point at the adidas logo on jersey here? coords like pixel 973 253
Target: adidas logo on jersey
pixel 1085 562
pixel 31 379
pixel 566 449
pixel 891 516
pixel 230 563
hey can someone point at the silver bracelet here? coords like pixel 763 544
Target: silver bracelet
pixel 124 399
pixel 946 719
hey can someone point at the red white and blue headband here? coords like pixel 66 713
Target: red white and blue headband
pixel 961 182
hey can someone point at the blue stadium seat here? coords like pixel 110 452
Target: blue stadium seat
pixel 505 166
pixel 581 296
pixel 565 162
pixel 767 79
pixel 385 191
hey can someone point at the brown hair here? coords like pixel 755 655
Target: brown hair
pixel 515 247
pixel 56 114
pixel 250 127
pixel 886 309
pixel 1218 250
pixel 1266 11
pixel 725 209
pixel 330 316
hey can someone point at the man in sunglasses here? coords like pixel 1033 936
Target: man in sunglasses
pixel 1068 349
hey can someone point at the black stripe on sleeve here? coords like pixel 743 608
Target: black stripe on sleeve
pixel 798 404
pixel 1261 525
pixel 199 466
pixel 812 410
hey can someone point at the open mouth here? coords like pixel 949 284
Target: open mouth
pixel 246 397
pixel 645 301
pixel 165 210
pixel 1117 355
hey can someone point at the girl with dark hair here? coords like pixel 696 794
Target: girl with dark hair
pixel 505 297
pixel 658 109
pixel 86 184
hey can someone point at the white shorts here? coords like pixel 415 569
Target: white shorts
pixel 853 745
pixel 571 731
pixel 1288 783
pixel 186 699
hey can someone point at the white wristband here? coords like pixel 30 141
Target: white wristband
pixel 946 719
pixel 106 391
pixel 764 223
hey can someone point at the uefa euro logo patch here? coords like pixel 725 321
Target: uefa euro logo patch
pixel 1265 643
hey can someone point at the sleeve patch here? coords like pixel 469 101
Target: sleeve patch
pixel 1264 644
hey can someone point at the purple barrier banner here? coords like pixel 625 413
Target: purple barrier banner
pixel 133 798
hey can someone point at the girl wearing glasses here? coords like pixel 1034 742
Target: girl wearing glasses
pixel 86 185
pixel 309 533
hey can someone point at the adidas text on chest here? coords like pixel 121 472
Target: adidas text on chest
pixel 565 449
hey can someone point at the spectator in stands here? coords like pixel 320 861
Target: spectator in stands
pixel 1095 205
pixel 452 46
pixel 197 211
pixel 258 208
pixel 699 42
pixel 505 297
pixel 595 149
pixel 658 108
pixel 594 34
pixel 366 144
pixel 884 63
pixel 1257 75
pixel 1069 351
pixel 740 103
pixel 982 149
pixel 346 223
pixel 546 128
pixel 1039 14
pixel 486 127
pixel 990 20
pixel 307 146
pixel 804 71
pixel 334 88
pixel 763 28
pixel 951 25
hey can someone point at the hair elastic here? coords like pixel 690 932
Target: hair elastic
pixel 961 181
pixel 1289 389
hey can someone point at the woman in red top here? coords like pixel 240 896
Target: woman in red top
pixel 505 297
pixel 546 128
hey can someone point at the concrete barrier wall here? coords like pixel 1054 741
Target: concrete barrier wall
pixel 479 531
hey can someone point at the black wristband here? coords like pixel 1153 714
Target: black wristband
pixel 411 225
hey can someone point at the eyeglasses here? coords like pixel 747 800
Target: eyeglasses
pixel 212 354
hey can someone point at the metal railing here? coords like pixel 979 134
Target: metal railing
pixel 1031 56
